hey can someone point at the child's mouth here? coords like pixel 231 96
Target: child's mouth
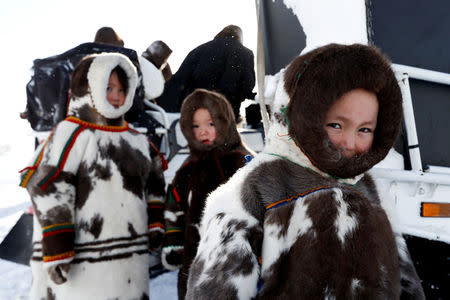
pixel 206 142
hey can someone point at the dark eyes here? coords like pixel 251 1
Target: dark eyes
pixel 334 125
pixel 338 126
pixel 109 89
pixel 211 124
pixel 366 130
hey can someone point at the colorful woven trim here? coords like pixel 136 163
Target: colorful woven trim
pixel 61 256
pixel 296 197
pixel 174 194
pixel 173 230
pixel 57 229
pixel 156 225
pixel 62 159
pixel 155 204
pixel 185 164
pixel 96 126
pixel 25 177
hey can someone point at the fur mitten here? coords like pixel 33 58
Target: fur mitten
pixel 171 257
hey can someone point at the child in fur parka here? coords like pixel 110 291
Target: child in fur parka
pixel 97 191
pixel 303 220
pixel 216 152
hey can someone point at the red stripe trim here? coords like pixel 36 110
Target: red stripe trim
pixel 26 177
pixel 175 193
pixel 185 164
pixel 64 158
pixel 155 206
pixel 49 233
pixel 28 168
pixel 160 225
pixel 99 127
pixel 59 256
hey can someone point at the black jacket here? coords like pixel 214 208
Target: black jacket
pixel 223 65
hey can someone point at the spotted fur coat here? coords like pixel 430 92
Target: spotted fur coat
pixel 97 190
pixel 283 228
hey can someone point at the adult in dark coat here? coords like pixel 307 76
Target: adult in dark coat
pixel 223 65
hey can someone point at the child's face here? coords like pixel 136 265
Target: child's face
pixel 350 123
pixel 203 126
pixel 115 94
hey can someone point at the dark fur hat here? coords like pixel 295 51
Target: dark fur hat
pixel 314 81
pixel 157 53
pixel 230 31
pixel 107 35
pixel 227 136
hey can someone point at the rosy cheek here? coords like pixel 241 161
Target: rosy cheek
pixel 335 140
pixel 364 147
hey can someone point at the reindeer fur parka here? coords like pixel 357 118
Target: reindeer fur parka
pixel 301 221
pixel 207 167
pixel 97 190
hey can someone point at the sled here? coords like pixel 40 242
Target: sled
pixel 16 246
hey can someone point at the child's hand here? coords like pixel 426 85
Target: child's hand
pixel 172 257
pixel 58 273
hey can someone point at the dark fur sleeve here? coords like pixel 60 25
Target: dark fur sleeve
pixel 155 194
pixel 174 209
pixel 411 287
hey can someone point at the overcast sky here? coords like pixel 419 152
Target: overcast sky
pixel 31 29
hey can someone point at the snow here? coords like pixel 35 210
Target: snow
pixel 330 21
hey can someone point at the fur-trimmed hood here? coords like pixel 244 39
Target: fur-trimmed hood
pixel 227 136
pixel 309 87
pixel 88 88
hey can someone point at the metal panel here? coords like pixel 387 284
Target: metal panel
pixel 283 35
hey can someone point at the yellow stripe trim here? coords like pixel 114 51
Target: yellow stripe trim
pixel 96 126
pixel 56 225
pixel 59 256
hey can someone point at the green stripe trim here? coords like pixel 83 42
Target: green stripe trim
pixel 68 226
pixel 173 228
pixel 49 175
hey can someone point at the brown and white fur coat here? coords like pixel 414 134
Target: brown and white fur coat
pixel 206 168
pixel 97 192
pixel 290 225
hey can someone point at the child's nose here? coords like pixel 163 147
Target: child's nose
pixel 349 141
pixel 115 94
